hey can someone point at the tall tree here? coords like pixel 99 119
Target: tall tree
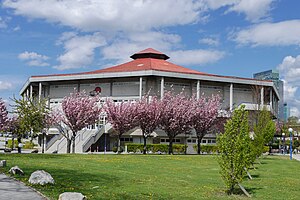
pixel 176 116
pixel 234 149
pixel 3 115
pixel 204 115
pixel 15 128
pixel 148 116
pixel 122 116
pixel 79 111
pixel 31 115
pixel 56 119
pixel 264 132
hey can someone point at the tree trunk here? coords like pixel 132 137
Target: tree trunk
pixel 119 144
pixel 69 141
pixel 12 143
pixel 73 142
pixel 185 145
pixel 200 137
pixel 199 144
pixel 170 146
pixel 145 144
pixel 19 148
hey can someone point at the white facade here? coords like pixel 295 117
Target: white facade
pixel 132 85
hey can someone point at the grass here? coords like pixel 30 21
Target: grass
pixel 155 176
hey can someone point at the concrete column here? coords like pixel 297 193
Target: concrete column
pixel 31 90
pixel 198 90
pixel 141 87
pixel 111 89
pixel 27 94
pixel 40 91
pixel 262 97
pixel 162 86
pixel 271 98
pixel 231 97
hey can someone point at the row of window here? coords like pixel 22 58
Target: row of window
pixel 177 140
pixel 203 141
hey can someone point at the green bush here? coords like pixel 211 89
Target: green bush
pixel 207 148
pixel 163 148
pixel 27 144
pixel 266 149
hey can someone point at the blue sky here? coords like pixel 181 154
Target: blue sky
pixel 225 37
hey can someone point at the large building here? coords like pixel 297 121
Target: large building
pixel 273 75
pixel 149 71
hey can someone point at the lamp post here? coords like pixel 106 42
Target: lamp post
pixel 283 141
pixel 291 143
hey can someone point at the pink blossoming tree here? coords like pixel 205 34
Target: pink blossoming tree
pixel 79 111
pixel 3 115
pixel 176 116
pixel 148 116
pixel 204 114
pixel 122 116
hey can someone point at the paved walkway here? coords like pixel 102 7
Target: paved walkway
pixel 296 156
pixel 11 189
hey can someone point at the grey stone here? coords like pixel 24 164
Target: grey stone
pixel 72 196
pixel 16 170
pixel 41 177
pixel 3 163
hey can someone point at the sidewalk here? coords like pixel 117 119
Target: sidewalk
pixel 296 157
pixel 11 189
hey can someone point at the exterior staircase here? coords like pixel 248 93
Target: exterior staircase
pixel 83 141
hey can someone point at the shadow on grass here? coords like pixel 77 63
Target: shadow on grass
pixel 251 191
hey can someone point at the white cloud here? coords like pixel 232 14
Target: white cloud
pixel 2 23
pixel 210 41
pixel 120 49
pixel 255 10
pixel 79 50
pixel 196 57
pixel 289 69
pixel 117 15
pixel 270 34
pixel 294 111
pixel 4 85
pixel 34 59
pixel 132 15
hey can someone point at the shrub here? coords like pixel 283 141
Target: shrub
pixel 266 149
pixel 210 149
pixel 163 148
pixel 27 144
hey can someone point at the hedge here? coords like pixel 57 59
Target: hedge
pixel 27 144
pixel 207 148
pixel 163 148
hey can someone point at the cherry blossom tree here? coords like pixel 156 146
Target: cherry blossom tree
pixel 15 128
pixel 3 115
pixel 148 118
pixel 122 116
pixel 176 116
pixel 79 111
pixel 204 114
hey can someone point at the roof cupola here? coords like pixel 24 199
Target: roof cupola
pixel 150 53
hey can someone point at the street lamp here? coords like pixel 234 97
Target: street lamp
pixel 283 141
pixel 291 143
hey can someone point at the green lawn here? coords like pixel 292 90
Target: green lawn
pixel 155 176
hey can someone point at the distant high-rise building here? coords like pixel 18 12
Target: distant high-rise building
pixel 273 75
pixel 286 111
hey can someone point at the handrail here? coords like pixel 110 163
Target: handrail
pixel 53 140
pixel 95 137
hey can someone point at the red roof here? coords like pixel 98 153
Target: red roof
pixel 148 59
pixel 144 64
